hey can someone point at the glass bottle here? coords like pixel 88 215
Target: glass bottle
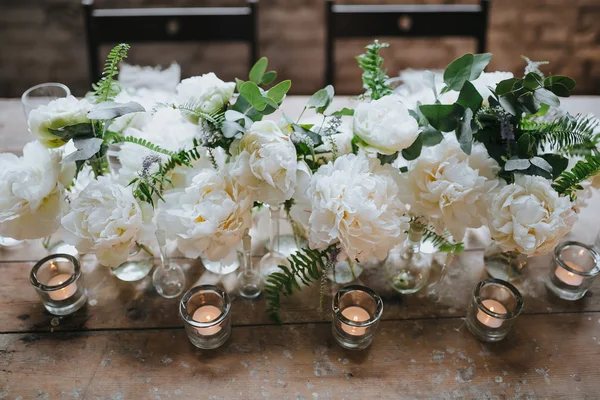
pixel 407 268
pixel 273 259
pixel 505 265
pixel 168 277
pixel 249 280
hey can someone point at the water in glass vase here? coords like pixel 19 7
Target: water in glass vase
pixel 506 265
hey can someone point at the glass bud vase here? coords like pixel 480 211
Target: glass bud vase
pixel 249 280
pixel 168 277
pixel 345 271
pixel 505 265
pixel 137 267
pixel 273 259
pixel 225 266
pixel 406 267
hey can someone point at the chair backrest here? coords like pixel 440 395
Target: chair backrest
pixel 403 20
pixel 191 24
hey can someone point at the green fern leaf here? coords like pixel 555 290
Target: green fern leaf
pixel 567 134
pixel 569 182
pixel 441 242
pixel 108 87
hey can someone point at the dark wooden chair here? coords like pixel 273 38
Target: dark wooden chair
pixel 192 24
pixel 402 20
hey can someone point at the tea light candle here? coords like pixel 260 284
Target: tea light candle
pixel 207 314
pixel 488 320
pixel 567 276
pixel 356 314
pixel 64 293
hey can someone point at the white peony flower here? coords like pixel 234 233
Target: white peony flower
pixel 529 216
pixel 106 220
pixel 354 201
pixel 448 186
pixel 57 114
pixel 31 192
pixel 385 125
pixel 207 92
pixel 209 217
pixel 265 162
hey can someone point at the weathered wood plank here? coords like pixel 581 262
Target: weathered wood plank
pixel 116 304
pixel 544 357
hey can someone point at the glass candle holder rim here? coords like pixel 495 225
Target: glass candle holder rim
pixel 188 295
pixel 346 289
pixel 559 259
pixel 508 315
pixel 45 84
pixel 74 276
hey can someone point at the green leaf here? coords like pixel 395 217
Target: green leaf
pixel 541 163
pixel 429 78
pixel 516 164
pixel 544 96
pixel 321 99
pixel 469 97
pixel 109 110
pixel 464 133
pixel 278 92
pixel 252 94
pixel 443 117
pixel 526 146
pixel 258 70
pixel 559 79
pixel 540 113
pixel 560 90
pixel 343 112
pixel 239 83
pixel 532 81
pixel 558 163
pixel 268 78
pixel 387 158
pixel 506 86
pixel 414 150
pixel 83 130
pixel 271 105
pixel 86 148
pixel 465 68
pixel 431 136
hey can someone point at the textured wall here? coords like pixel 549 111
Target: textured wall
pixel 43 40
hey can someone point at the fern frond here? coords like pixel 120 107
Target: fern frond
pixel 108 87
pixel 442 242
pixel 374 77
pixel 306 266
pixel 193 110
pixel 116 138
pixel 567 132
pixel 569 182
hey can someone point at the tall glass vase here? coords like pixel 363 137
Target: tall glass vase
pixel 168 277
pixel 273 259
pixel 249 280
pixel 506 265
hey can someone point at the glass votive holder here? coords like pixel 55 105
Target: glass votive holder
pixel 205 313
pixel 494 307
pixel 356 314
pixel 58 281
pixel 42 94
pixel 573 271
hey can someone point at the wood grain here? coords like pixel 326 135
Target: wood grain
pixel 543 357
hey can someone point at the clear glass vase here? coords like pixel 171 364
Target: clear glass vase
pixel 249 280
pixel 407 268
pixel 225 266
pixel 506 265
pixel 137 267
pixel 273 259
pixel 345 271
pixel 168 277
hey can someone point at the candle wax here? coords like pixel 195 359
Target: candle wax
pixel 64 293
pixel 567 276
pixel 357 314
pixel 207 314
pixel 488 320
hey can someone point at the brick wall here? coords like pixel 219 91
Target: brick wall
pixel 43 40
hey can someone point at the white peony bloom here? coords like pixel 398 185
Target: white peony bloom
pixel 448 186
pixel 385 125
pixel 31 192
pixel 355 202
pixel 57 114
pixel 106 220
pixel 529 216
pixel 209 217
pixel 207 92
pixel 265 162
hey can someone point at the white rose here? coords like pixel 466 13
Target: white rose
pixel 207 93
pixel 106 220
pixel 354 202
pixel 385 125
pixel 448 186
pixel 31 192
pixel 57 114
pixel 209 217
pixel 529 216
pixel 265 162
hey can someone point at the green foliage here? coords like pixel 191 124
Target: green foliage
pixel 569 182
pixel 117 138
pixel 441 242
pixel 321 99
pixel 463 69
pixel 375 79
pixel 192 111
pixel 108 87
pixel 567 132
pixel 306 266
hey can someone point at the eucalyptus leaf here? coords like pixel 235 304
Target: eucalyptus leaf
pixel 321 99
pixel 258 70
pixel 231 129
pixel 559 79
pixel 431 136
pixel 544 96
pixel 506 86
pixel 559 163
pixel 525 145
pixel 268 78
pixel 344 112
pixel 109 110
pixel 532 81
pixel 83 130
pixel 316 138
pixel 541 163
pixel 464 133
pixel 516 164
pixel 414 151
pixel 443 117
pixel 469 97
pixel 465 68
pixel 278 92
pixel 236 116
pixel 86 148
pixel 252 94
pixel 387 158
pixel 239 83
pixel 429 78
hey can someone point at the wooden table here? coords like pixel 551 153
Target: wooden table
pixel 128 342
